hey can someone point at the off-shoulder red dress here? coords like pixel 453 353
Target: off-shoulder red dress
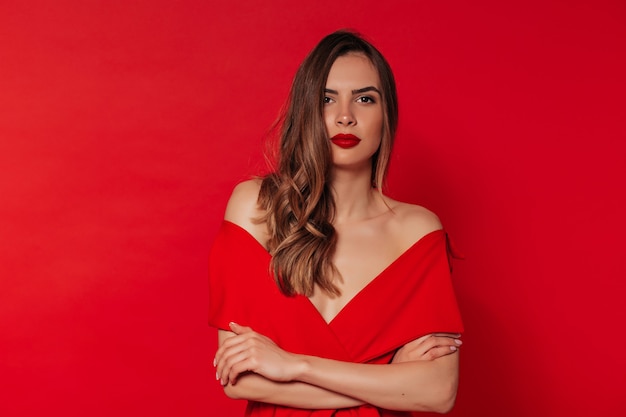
pixel 412 297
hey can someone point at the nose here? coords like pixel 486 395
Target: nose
pixel 345 116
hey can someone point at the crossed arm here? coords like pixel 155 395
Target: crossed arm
pixel 423 375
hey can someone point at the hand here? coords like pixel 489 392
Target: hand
pixel 428 348
pixel 249 351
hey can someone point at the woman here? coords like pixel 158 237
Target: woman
pixel 330 297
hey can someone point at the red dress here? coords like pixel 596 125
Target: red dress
pixel 412 297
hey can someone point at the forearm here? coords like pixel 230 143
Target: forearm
pixel 409 386
pixel 289 394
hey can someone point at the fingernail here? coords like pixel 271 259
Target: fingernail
pixel 232 324
pixel 453 348
pixel 458 341
pixel 223 383
pixel 217 376
pixel 214 362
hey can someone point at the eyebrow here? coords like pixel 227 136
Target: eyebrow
pixel 359 91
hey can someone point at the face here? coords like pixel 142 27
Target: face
pixel 353 111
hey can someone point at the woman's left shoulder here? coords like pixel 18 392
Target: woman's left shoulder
pixel 412 222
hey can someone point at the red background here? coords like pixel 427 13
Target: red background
pixel 124 125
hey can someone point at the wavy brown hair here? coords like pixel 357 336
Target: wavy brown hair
pixel 296 197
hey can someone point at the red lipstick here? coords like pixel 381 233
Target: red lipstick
pixel 345 140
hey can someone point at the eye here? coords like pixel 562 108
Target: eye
pixel 366 99
pixel 327 100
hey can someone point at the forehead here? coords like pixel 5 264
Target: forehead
pixel 353 70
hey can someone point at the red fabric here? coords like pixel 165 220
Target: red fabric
pixel 412 297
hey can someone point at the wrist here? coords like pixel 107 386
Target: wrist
pixel 303 367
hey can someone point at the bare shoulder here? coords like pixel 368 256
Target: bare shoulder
pixel 412 222
pixel 243 209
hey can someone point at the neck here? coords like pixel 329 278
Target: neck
pixel 355 199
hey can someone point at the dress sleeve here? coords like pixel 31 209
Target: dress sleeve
pixel 231 289
pixel 432 306
pixel 218 281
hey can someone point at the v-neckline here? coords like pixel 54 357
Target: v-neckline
pixel 359 293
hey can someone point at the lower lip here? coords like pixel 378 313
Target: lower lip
pixel 346 143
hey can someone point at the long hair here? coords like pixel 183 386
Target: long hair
pixel 296 197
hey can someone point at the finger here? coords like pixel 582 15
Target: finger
pixel 249 364
pixel 452 335
pixel 234 365
pixel 416 348
pixel 436 341
pixel 426 337
pixel 240 336
pixel 229 354
pixel 414 344
pixel 444 341
pixel 420 340
pixel 238 329
pixel 437 337
pixel 417 351
pixel 225 346
pixel 440 351
pixel 422 344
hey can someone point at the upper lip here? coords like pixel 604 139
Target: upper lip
pixel 344 136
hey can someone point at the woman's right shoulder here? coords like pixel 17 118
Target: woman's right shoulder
pixel 248 189
pixel 243 201
pixel 243 206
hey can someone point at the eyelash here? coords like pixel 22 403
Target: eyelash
pixel 362 99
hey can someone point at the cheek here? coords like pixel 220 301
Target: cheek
pixel 328 121
pixel 378 125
